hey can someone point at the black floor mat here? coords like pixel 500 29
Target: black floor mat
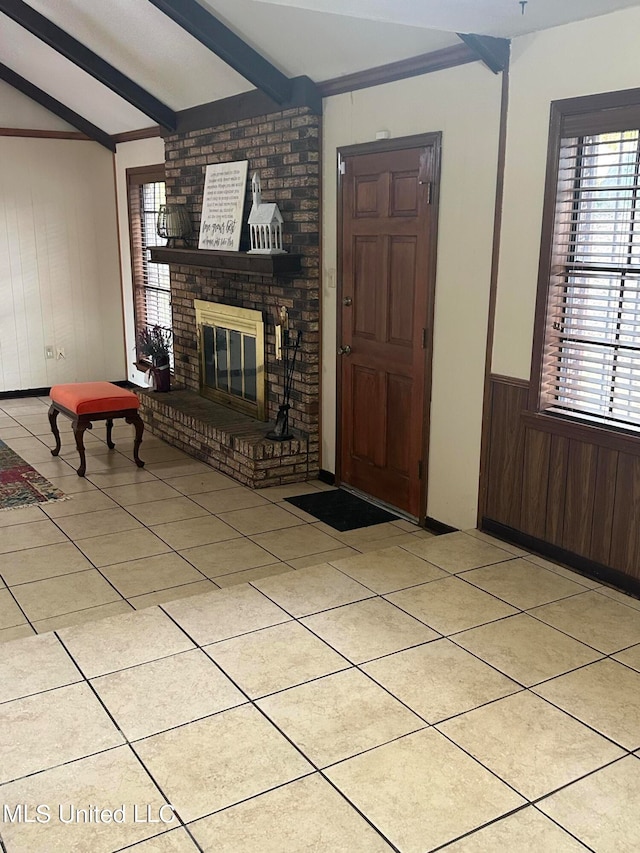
pixel 342 510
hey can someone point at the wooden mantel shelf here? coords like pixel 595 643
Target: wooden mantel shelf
pixel 230 261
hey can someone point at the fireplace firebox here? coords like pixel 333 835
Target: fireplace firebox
pixel 231 349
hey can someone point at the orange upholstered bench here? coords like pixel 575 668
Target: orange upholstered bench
pixel 85 402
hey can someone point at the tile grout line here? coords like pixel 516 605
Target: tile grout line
pixel 146 526
pixel 478 762
pixel 72 542
pixel 566 633
pixel 61 764
pixel 606 657
pixel 316 768
pixel 425 728
pixel 205 577
pixel 591 728
pixel 17 603
pixel 537 800
pixel 489 823
pixel 523 687
pixel 254 702
pixel 69 539
pixel 564 828
pixel 183 827
pixel 250 702
pixel 360 812
pixel 98 569
pixel 358 666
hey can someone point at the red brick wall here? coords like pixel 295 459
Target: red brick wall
pixel 284 148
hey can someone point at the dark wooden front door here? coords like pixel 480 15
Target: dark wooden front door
pixel 387 267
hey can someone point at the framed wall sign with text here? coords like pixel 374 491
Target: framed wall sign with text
pixel 222 206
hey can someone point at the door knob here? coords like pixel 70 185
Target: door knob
pixel 347 301
pixel 344 350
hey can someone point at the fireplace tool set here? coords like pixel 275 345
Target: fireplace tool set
pixel 287 346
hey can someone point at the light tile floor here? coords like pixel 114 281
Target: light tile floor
pixel 372 691
pixel 129 538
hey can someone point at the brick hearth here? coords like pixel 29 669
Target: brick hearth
pixel 229 441
pixel 284 148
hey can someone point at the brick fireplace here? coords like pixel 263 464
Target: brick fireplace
pixel 284 148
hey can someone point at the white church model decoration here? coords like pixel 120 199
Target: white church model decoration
pixel 265 222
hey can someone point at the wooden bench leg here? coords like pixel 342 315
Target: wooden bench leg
pixel 84 420
pixel 53 417
pixel 80 424
pixel 110 443
pixel 135 419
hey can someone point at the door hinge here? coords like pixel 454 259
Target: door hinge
pixel 424 339
pixel 420 469
pixel 342 166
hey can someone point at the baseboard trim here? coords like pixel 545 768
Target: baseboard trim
pixel 327 477
pixel 31 392
pixel 586 567
pixel 438 527
pixel 44 392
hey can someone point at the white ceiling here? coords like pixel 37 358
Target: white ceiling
pixel 319 38
pixel 51 72
pixel 320 44
pixel 501 18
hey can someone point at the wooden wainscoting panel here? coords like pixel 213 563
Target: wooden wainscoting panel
pixel 556 491
pixel 603 505
pixel 625 533
pixel 535 483
pixel 571 487
pixel 503 474
pixel 579 497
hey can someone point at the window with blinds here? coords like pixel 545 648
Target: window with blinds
pixel 151 284
pixel 591 353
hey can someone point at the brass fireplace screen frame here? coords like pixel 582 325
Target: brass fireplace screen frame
pixel 247 323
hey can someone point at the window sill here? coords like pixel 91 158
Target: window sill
pixel 613 439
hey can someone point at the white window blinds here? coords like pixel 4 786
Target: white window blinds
pixel 157 291
pixel 152 290
pixel 591 360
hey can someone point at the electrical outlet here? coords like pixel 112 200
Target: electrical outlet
pixel 48 352
pixel 60 353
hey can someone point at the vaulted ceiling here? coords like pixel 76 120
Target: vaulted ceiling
pixel 322 39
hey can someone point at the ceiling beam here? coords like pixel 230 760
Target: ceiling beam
pixel 492 51
pixel 143 133
pixel 89 61
pixel 222 41
pixel 414 66
pixel 56 107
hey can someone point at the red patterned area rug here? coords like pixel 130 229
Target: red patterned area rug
pixel 21 485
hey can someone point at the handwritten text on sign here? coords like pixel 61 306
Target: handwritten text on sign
pixel 222 206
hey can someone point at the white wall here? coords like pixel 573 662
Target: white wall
pixel 59 273
pixel 18 111
pixel 598 55
pixel 141 152
pixel 463 103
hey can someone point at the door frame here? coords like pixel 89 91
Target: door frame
pixel 378 147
